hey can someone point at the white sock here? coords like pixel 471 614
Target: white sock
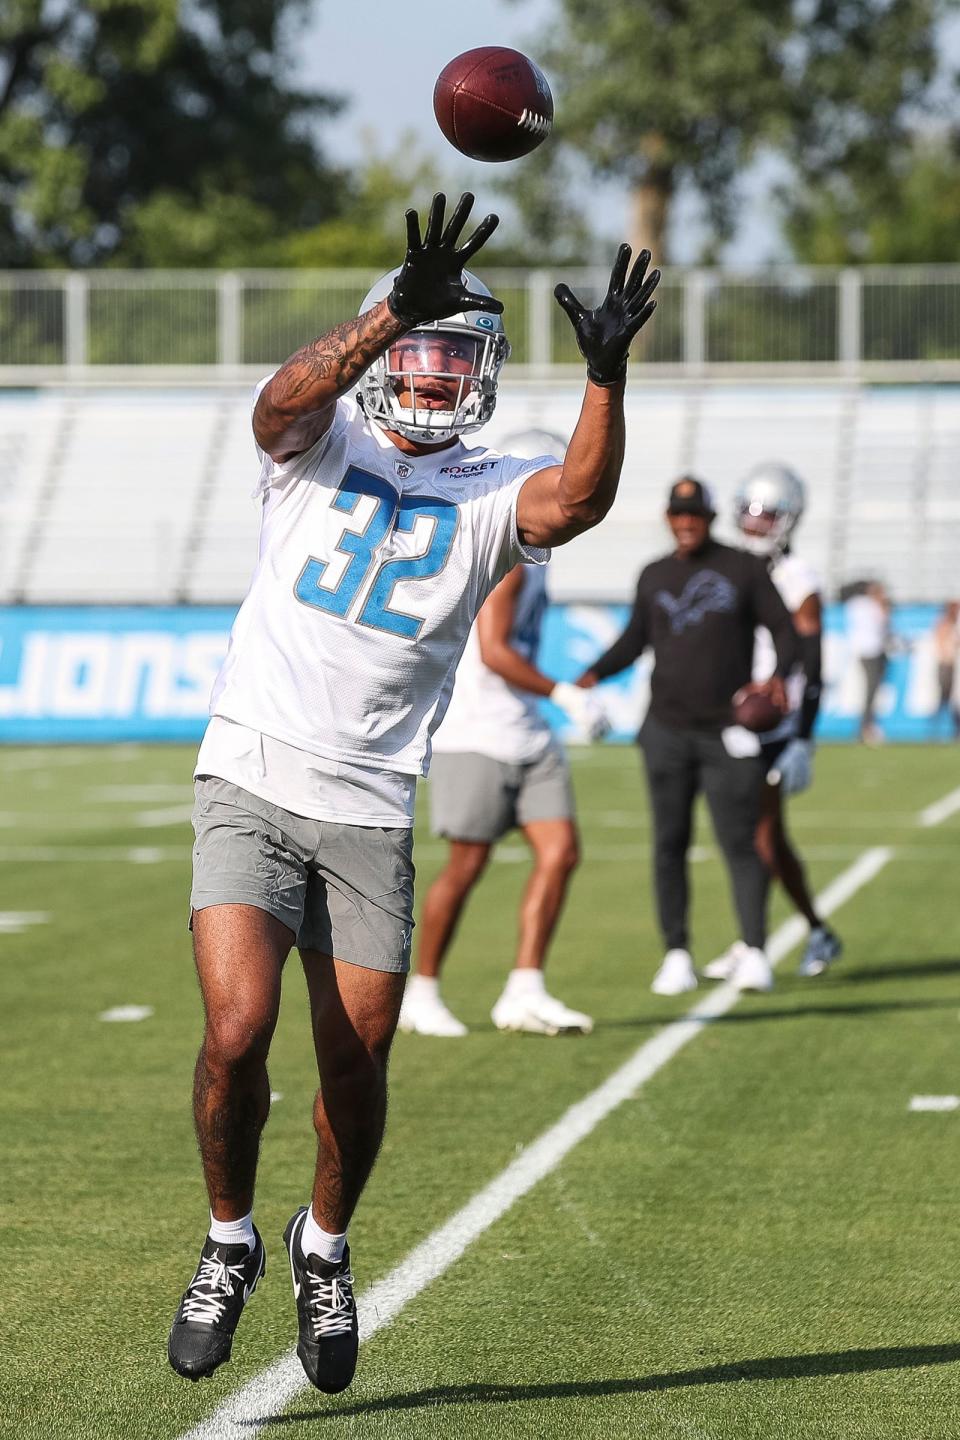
pixel 315 1241
pixel 423 986
pixel 525 982
pixel 233 1232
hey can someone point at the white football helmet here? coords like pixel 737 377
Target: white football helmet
pixel 530 444
pixel 767 506
pixel 478 348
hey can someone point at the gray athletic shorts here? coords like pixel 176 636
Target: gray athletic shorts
pixel 345 890
pixel 473 797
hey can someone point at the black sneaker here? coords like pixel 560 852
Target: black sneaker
pixel 326 1313
pixel 202 1333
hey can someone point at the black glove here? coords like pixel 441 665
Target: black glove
pixel 430 285
pixel 605 334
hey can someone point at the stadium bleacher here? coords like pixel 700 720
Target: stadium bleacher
pixel 138 495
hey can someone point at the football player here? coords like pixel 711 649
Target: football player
pixel 767 507
pixel 381 536
pixel 496 766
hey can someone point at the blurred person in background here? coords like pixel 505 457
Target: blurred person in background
pixel 868 638
pixel 381 535
pixel 767 508
pixel 699 607
pixel 496 767
pixel 946 645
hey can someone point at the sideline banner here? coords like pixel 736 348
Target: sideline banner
pixel 105 673
pixel 908 702
pixel 139 673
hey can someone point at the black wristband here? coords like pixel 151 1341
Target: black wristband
pixel 607 380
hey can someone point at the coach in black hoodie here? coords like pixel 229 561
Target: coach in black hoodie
pixel 699 607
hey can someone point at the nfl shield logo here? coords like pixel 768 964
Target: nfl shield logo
pixel 402 469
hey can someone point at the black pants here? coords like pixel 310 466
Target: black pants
pixel 679 763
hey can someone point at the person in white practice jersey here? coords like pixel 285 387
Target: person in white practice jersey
pixel 767 509
pixel 381 536
pixel 496 766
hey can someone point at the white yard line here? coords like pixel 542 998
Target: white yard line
pixel 88 854
pixel 940 810
pixel 169 815
pixel 245 1413
pixel 141 794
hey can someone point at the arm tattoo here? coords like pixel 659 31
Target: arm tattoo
pixel 326 368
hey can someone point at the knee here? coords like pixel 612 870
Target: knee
pixel 671 842
pixel 560 858
pixel 770 843
pixel 355 1063
pixel 466 867
pixel 766 846
pixel 235 1038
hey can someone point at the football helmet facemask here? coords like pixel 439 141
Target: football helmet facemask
pixel 466 351
pixel 767 506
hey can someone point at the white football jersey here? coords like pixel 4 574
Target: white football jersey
pixel 371 570
pixel 795 580
pixel 486 715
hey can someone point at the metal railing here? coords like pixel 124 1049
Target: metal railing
pixel 897 322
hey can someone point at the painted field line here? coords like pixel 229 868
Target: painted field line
pixel 87 854
pixel 251 1407
pixel 934 1102
pixel 940 810
pixel 168 815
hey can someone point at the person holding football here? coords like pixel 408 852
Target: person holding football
pixel 698 608
pixel 381 536
pixel 767 508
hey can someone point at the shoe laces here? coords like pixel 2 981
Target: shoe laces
pixel 330 1301
pixel 210 1289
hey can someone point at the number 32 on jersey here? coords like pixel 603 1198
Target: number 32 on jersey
pixel 360 546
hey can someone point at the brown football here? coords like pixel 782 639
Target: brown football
pixel 493 103
pixel 754 712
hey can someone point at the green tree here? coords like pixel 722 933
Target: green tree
pixel 155 131
pixel 370 230
pixel 908 212
pixel 664 93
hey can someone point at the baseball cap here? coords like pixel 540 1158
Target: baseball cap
pixel 691 497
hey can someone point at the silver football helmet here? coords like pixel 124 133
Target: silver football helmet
pixel 767 506
pixel 530 444
pixel 469 348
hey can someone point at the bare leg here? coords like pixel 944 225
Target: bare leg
pixel 781 859
pixel 445 901
pixel 556 854
pixel 239 952
pixel 354 1012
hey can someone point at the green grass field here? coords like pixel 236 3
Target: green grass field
pixel 761 1243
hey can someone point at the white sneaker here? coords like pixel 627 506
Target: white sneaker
pixel 424 1013
pixel 724 965
pixel 822 948
pixel 754 971
pixel 676 974
pixel 539 1014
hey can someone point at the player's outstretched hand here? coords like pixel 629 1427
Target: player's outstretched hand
pixel 605 334
pixel 430 284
